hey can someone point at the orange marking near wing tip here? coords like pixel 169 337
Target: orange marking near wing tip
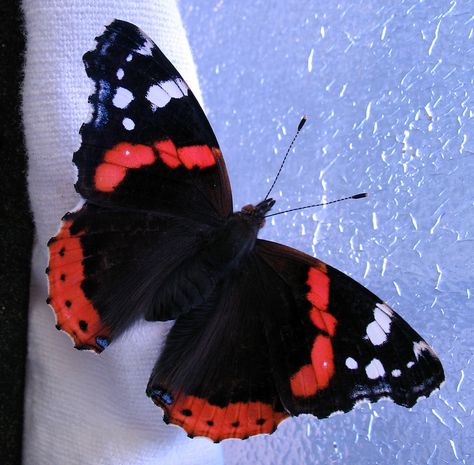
pixel 130 155
pixel 168 153
pixel 318 295
pixel 236 420
pixel 323 320
pixel 117 161
pixel 311 378
pixel 75 314
pixel 196 155
pixel 108 177
pixel 200 156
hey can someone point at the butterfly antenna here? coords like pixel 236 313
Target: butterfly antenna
pixel 300 127
pixel 356 196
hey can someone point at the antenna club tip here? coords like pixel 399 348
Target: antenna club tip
pixel 303 120
pixel 360 196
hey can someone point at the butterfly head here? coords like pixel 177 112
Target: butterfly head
pixel 257 212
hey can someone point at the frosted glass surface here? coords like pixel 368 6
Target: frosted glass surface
pixel 388 90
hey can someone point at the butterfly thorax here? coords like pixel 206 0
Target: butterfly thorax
pixel 256 213
pixel 219 252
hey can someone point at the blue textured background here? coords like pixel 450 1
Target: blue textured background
pixel 388 91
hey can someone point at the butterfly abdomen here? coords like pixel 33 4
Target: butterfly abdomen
pixel 220 252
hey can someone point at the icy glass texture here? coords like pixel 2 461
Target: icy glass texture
pixel 387 87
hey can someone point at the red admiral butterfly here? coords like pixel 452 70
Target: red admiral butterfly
pixel 262 331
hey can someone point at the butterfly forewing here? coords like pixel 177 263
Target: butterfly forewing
pixel 148 145
pixel 355 346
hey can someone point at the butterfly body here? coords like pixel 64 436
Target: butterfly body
pixel 220 251
pixel 262 331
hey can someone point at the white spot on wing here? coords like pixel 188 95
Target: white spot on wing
pixel 376 334
pixel 146 48
pixel 122 97
pixel 410 364
pixel 396 373
pixel 120 74
pixel 419 347
pixel 351 363
pixel 378 329
pixel 385 308
pixel 375 369
pixel 172 89
pixel 128 124
pixel 129 57
pixel 160 94
pixel 157 96
pixel 383 319
pixel 182 85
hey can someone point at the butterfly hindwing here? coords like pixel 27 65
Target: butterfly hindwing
pixel 286 334
pixel 148 145
pixel 75 312
pixel 214 376
pixel 106 268
pixel 334 343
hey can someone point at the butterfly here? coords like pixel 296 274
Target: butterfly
pixel 262 331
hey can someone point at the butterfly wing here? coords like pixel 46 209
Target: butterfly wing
pixel 106 269
pixel 154 181
pixel 334 343
pixel 286 335
pixel 214 376
pixel 148 145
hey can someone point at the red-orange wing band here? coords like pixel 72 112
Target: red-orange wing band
pixel 237 420
pixel 75 313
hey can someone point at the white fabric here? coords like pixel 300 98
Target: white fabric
pixel 82 408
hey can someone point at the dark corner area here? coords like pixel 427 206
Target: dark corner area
pixel 16 234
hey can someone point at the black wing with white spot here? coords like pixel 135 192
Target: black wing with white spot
pixel 334 343
pixel 148 145
pixel 286 334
